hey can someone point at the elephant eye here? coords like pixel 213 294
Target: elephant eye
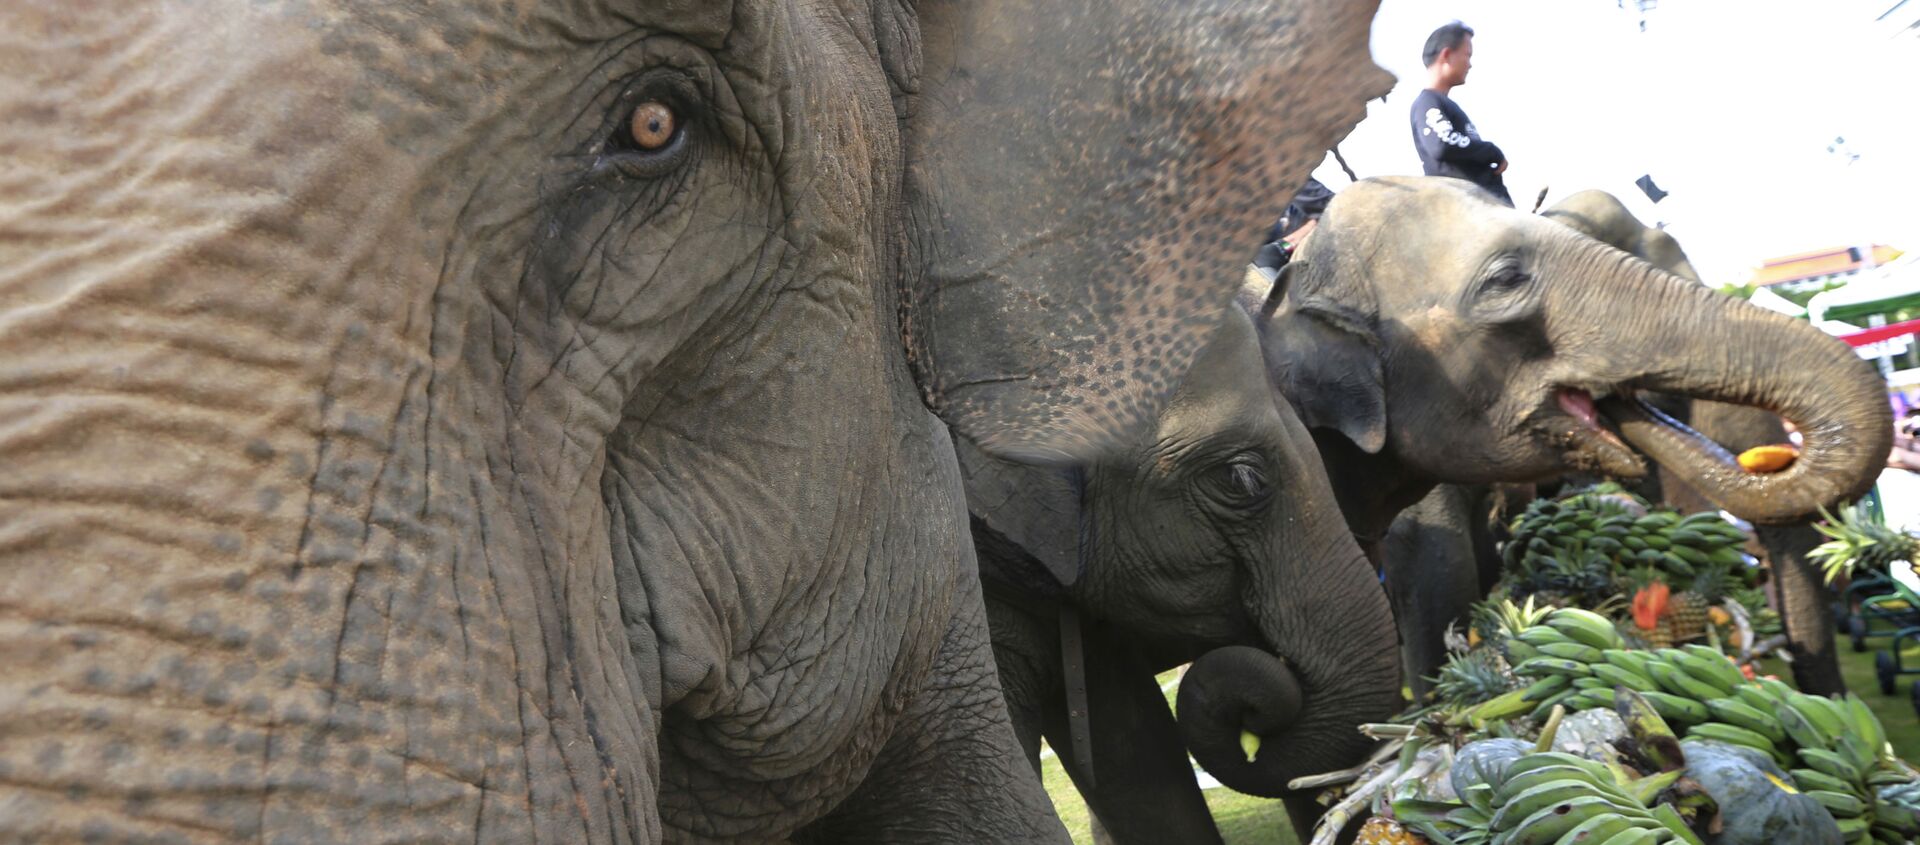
pixel 653 126
pixel 1243 481
pixel 650 139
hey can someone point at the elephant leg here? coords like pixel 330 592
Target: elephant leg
pixel 1143 789
pixel 1432 578
pixel 1806 609
pixel 1026 650
pixel 952 765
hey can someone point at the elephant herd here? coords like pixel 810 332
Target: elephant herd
pixel 694 420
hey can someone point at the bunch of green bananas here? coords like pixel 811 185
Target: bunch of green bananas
pixel 1840 747
pixel 1550 798
pixel 1580 524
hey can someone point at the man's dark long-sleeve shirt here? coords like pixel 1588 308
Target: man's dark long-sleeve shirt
pixel 1450 146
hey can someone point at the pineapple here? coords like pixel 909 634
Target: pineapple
pixel 1687 616
pixel 1858 541
pixel 1472 678
pixel 1384 831
pixel 1688 609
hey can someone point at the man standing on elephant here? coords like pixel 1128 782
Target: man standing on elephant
pixel 1448 143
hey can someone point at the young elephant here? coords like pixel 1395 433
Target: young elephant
pixel 1429 335
pixel 529 422
pixel 1214 535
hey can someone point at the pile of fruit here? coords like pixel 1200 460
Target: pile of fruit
pixel 1672 576
pixel 1600 742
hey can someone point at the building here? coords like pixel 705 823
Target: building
pixel 1797 277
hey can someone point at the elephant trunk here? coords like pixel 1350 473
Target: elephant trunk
pixel 1340 669
pixel 1701 344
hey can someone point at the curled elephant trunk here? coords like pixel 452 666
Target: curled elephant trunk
pixel 1256 720
pixel 1692 341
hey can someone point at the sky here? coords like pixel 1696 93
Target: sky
pixel 1730 105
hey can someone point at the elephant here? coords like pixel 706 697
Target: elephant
pixel 1799 592
pixel 1428 335
pixel 536 422
pixel 1213 538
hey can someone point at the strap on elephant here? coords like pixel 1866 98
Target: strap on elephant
pixel 1011 574
pixel 1073 674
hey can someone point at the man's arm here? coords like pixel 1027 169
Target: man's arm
pixel 1448 141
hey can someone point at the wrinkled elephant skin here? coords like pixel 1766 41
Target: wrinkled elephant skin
pixel 510 422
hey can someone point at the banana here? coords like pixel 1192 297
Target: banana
pixel 1539 760
pixel 1677 564
pixel 1541 635
pixel 1670 817
pixel 1828 715
pixel 1740 714
pixel 1591 699
pixel 1855 830
pixel 1634 836
pixel 1832 763
pixel 1546 688
pixel 1646 789
pixel 1866 725
pixel 1597 829
pixel 1678 708
pixel 1544 709
pixel 1592 682
pixel 1678 682
pixel 1856 753
pixel 1572 651
pixel 1802 731
pixel 1776 688
pixel 1840 804
pixel 1542 666
pixel 1519 652
pixel 1721 732
pixel 1556 820
pixel 1534 800
pixel 1480 797
pixel 1614 676
pixel 1585 626
pixel 1754 696
pixel 1628 659
pixel 1809 780
pixel 1711 666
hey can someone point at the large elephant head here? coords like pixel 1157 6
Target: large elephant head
pixel 1216 528
pixel 496 421
pixel 1477 343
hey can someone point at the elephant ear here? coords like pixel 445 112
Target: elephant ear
pixel 1325 352
pixel 1039 509
pixel 1084 180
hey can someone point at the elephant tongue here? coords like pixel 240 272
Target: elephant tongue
pixel 1579 405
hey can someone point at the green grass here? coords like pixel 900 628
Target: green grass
pixel 1895 711
pixel 1243 819
pixel 1246 820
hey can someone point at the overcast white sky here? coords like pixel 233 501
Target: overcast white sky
pixel 1729 104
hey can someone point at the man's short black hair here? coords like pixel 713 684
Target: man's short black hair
pixel 1445 38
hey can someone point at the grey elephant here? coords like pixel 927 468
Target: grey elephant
pixel 1211 538
pixel 1800 593
pixel 1430 336
pixel 529 422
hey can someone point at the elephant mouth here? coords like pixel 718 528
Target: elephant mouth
pixel 1586 437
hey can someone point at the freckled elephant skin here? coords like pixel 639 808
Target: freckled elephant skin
pixel 1170 560
pixel 1424 333
pixel 395 450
